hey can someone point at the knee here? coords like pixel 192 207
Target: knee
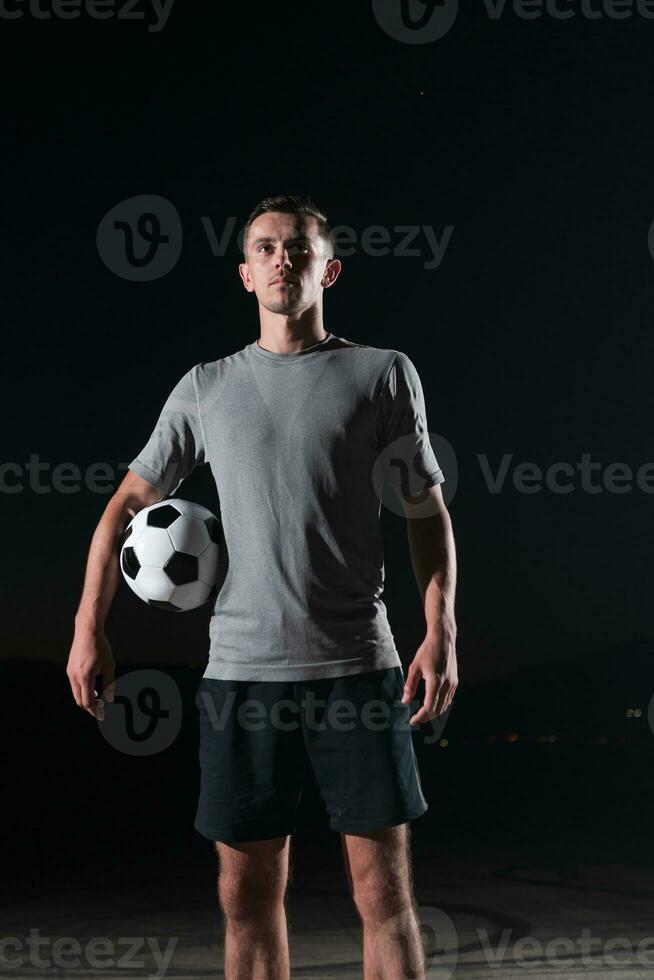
pixel 378 898
pixel 248 897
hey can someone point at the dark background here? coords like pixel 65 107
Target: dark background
pixel 533 337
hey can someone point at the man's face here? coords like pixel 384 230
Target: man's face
pixel 287 262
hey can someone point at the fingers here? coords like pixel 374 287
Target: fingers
pixel 448 696
pixel 425 713
pixel 85 699
pixel 439 695
pixel 98 709
pixel 95 707
pixel 92 703
pixel 411 684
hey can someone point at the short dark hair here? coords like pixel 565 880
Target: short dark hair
pixel 292 204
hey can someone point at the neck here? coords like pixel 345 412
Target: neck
pixel 288 339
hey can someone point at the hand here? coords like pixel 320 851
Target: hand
pixel 91 655
pixel 435 662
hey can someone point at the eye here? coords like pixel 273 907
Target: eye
pixel 299 246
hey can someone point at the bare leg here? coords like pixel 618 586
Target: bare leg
pixel 378 867
pixel 252 883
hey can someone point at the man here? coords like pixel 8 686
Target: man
pixel 294 426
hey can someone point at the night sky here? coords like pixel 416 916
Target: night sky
pixel 531 140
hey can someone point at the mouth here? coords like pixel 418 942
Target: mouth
pixel 282 282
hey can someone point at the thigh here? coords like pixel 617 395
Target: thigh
pixel 252 760
pixel 272 855
pixel 254 869
pixel 360 745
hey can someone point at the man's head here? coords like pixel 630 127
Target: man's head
pixel 289 238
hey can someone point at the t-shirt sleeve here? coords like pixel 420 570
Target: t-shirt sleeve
pixel 402 417
pixel 176 445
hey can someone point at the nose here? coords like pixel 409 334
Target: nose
pixel 282 259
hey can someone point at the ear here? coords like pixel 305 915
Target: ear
pixel 246 278
pixel 331 273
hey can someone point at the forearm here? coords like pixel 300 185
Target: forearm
pixel 433 556
pixel 102 568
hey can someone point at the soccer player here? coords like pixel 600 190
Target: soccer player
pixel 297 426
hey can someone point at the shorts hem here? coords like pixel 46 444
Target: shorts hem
pixel 234 836
pixel 347 826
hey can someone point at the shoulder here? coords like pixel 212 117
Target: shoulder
pixel 208 373
pixel 379 359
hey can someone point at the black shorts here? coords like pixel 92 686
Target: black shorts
pixel 259 739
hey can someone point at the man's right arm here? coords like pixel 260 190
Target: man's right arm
pixel 91 654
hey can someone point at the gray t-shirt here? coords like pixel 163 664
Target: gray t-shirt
pixel 292 440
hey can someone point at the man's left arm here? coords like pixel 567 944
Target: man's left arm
pixel 433 556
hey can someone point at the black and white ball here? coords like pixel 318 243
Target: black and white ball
pixel 169 555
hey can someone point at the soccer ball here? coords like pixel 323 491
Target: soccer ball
pixel 169 555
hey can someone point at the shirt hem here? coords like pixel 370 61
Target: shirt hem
pixel 136 466
pixel 219 670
